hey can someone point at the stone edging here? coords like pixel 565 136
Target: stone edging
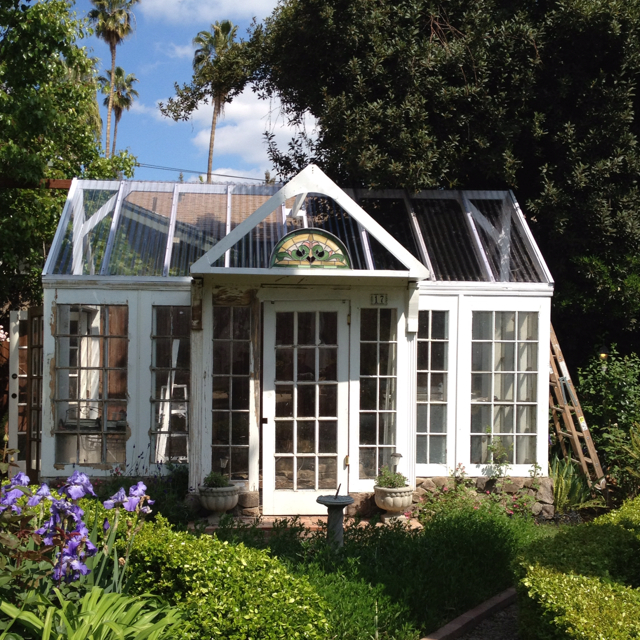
pixel 474 617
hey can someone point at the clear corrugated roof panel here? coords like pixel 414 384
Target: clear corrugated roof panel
pixel 161 229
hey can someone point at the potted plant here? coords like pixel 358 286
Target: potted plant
pixel 217 494
pixel 392 493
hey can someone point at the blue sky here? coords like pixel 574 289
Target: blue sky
pixel 159 53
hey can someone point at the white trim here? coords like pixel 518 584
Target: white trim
pixel 172 230
pixel 14 384
pixel 311 179
pixel 81 284
pixel 62 227
pixel 122 193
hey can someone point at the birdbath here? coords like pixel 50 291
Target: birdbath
pixel 335 522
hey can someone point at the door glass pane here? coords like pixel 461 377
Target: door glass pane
pixel 327 437
pixel 284 473
pixel 327 473
pixel 328 333
pixel 306 327
pixel 306 440
pixel 306 468
pixel 284 437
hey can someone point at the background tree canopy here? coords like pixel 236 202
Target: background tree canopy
pixel 539 96
pixel 49 124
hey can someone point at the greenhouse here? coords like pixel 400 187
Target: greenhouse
pixel 292 336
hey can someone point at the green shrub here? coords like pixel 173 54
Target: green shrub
pixel 585 584
pixel 225 591
pixel 558 605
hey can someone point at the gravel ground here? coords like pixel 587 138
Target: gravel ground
pixel 502 625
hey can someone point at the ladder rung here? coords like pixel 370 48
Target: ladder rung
pixel 589 460
pixel 566 434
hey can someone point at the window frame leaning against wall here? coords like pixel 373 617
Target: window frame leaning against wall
pixel 92 357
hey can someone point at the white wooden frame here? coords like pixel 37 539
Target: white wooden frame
pixel 468 305
pixel 140 301
pixel 449 304
pixel 14 384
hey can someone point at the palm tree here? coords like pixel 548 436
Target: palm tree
pixel 112 20
pixel 123 95
pixel 213 45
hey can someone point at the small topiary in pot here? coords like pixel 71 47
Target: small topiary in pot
pixel 392 493
pixel 217 494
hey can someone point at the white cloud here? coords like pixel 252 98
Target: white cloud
pixel 240 131
pixel 177 51
pixel 199 11
pixel 232 176
pixel 146 110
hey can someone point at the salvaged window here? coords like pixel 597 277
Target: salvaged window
pixel 91 383
pixel 170 367
pixel 433 346
pixel 306 376
pixel 23 405
pixel 35 389
pixel 231 390
pixel 504 381
pixel 378 349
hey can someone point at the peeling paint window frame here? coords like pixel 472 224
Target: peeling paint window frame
pixel 92 354
pixel 172 407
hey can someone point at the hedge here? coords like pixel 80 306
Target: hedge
pixel 585 582
pixel 226 591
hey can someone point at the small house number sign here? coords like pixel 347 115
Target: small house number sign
pixel 379 299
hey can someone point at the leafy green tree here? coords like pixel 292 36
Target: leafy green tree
pixel 123 96
pixel 113 22
pixel 47 104
pixel 220 71
pixel 539 97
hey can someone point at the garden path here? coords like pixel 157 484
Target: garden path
pixel 502 625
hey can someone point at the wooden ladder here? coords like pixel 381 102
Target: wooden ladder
pixel 565 412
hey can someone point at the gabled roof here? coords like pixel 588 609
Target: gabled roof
pixel 132 228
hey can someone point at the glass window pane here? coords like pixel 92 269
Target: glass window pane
pixel 438 422
pixel 481 356
pixel 526 419
pixel 306 472
pixel 422 419
pixel 368 428
pixel 439 356
pixel 387 359
pixel 284 328
pixel 240 393
pixel 306 436
pixel 527 326
pixel 327 473
pixel 527 383
pixel 528 357
pixel 388 325
pixel 423 387
pixel 368 393
pixel 440 329
pixel 306 364
pixel 503 388
pixel 368 463
pixel 220 427
pixel 240 360
pixel 423 356
pixel 423 325
pixel 241 323
pixel 240 462
pixel 220 393
pixel 328 363
pixel 482 325
pixel 503 449
pixel 503 419
pixel 505 325
pixel 437 449
pixel 328 400
pixel 480 419
pixel 116 448
pixel 504 356
pixel 368 359
pixel 387 397
pixel 306 401
pixel 66 449
pixel 369 325
pixel 240 428
pixel 284 436
pixel 284 400
pixel 284 473
pixel 387 428
pixel 307 327
pixel 284 364
pixel 221 323
pixel 327 437
pixel 525 449
pixel 479 449
pixel 438 387
pixel 162 321
pixel 421 449
pixel 328 333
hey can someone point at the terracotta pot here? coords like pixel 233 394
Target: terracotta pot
pixel 219 499
pixel 395 500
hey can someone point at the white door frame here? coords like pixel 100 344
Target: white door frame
pixel 290 501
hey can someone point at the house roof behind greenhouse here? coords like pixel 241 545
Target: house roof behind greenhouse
pixel 130 228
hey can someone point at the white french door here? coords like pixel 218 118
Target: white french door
pixel 305 404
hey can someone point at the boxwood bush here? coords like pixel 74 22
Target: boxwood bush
pixel 226 591
pixel 585 584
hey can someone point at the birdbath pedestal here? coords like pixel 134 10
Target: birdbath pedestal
pixel 335 522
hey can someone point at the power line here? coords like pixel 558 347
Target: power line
pixel 221 175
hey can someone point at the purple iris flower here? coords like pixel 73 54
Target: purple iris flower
pixel 62 509
pixel 131 503
pixel 10 498
pixel 138 490
pixel 36 498
pixel 78 486
pixel 20 479
pixel 105 525
pixel 115 500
